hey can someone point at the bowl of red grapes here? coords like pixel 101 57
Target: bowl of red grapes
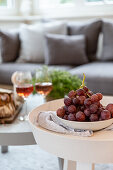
pixel 84 110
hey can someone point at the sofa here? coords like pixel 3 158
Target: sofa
pixel 80 48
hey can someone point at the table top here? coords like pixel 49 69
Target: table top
pixel 18 126
pixel 54 105
pixel 97 149
pixel 19 132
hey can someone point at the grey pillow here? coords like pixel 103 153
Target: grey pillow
pixel 107 29
pixel 9 45
pixel 91 30
pixel 65 50
pixel 32 40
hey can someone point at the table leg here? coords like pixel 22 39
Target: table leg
pixel 69 165
pixel 85 166
pixel 61 163
pixel 4 149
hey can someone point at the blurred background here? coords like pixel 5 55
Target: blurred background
pixel 14 12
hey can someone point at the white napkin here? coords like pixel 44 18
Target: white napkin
pixel 49 120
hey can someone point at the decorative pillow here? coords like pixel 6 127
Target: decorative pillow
pixel 65 50
pixel 107 29
pixel 0 52
pixel 32 40
pixel 91 31
pixel 9 46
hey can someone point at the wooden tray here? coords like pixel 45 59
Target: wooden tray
pixel 12 118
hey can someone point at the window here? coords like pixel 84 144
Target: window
pixel 3 3
pixel 94 0
pixel 6 3
pixel 55 3
pixel 75 8
pixel 8 7
pixel 100 1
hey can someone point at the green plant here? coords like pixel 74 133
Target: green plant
pixel 63 82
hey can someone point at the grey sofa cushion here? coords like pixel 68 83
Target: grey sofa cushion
pixel 91 30
pixel 63 49
pixel 7 69
pixel 32 40
pixel 9 45
pixel 107 29
pixel 99 76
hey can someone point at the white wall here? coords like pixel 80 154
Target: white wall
pixel 16 21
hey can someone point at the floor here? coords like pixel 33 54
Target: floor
pixel 33 158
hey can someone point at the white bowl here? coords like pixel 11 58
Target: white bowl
pixel 97 125
pixel 55 104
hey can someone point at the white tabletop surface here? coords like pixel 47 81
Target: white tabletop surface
pixel 95 149
pixel 22 126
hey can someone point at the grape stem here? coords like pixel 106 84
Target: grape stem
pixel 83 81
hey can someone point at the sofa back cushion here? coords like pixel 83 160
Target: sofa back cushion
pixel 107 30
pixel 9 45
pixel 65 50
pixel 91 30
pixel 32 40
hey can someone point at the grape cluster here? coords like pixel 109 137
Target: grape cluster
pixel 82 105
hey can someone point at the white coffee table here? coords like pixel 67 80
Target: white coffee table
pixel 19 132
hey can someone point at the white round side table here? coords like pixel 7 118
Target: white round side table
pixel 85 151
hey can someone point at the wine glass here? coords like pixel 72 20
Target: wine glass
pixel 24 88
pixel 43 83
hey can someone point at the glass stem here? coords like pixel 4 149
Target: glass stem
pixel 25 105
pixel 44 98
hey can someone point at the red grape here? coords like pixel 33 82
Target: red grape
pixel 83 105
pixel 99 111
pixel 61 112
pixel 66 108
pixel 109 107
pixel 89 93
pixel 71 117
pixel 93 117
pixel 80 92
pixel 97 103
pixel 85 88
pixel 67 101
pixel 81 99
pixel 105 115
pixel 100 96
pixel 87 112
pixel 87 102
pixel 93 108
pixel 75 101
pixel 72 109
pixel 94 98
pixel 82 108
pixel 67 113
pixel 80 116
pixel 72 94
pixel 65 117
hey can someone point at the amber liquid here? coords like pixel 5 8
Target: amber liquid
pixel 43 88
pixel 24 91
